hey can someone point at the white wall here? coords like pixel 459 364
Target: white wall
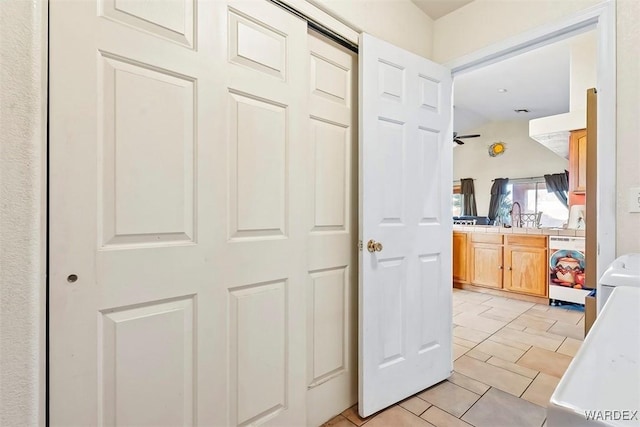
pixel 22 208
pixel 523 158
pixel 397 21
pixel 485 22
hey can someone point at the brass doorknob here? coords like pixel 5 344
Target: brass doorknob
pixel 373 246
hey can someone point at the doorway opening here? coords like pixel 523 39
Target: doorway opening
pixel 601 20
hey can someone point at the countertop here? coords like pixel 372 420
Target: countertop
pixel 518 230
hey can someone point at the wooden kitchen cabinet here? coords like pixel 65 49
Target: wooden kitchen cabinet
pixel 485 256
pixel 525 264
pixel 460 260
pixel 578 161
pixel 506 262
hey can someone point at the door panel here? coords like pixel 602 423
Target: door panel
pixel 329 324
pixel 332 228
pixel 168 19
pixel 331 182
pixel 260 382
pixel 179 199
pixel 167 370
pixel 405 186
pixel 258 187
pixel 431 321
pixel 146 200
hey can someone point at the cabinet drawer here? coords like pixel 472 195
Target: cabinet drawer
pixel 522 240
pixel 486 238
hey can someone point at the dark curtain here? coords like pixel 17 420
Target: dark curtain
pixel 558 184
pixel 468 197
pixel 498 191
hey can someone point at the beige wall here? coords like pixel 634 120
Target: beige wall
pixel 397 21
pixel 465 31
pixel 628 123
pixel 482 23
pixel 22 208
pixel 523 158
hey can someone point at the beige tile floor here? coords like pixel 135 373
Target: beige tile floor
pixel 509 356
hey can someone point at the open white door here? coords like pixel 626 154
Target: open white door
pixel 405 186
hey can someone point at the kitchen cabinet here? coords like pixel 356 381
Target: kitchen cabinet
pixel 578 161
pixel 511 262
pixel 460 259
pixel 485 260
pixel 525 264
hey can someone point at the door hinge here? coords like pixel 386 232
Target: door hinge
pixel 360 246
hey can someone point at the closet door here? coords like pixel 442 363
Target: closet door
pixel 178 209
pixel 332 230
pixel 261 211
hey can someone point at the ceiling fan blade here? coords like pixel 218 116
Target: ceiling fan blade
pixel 469 136
pixel 457 141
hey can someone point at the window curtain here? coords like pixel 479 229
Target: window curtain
pixel 498 192
pixel 468 197
pixel 558 184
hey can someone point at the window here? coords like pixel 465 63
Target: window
pixel 533 197
pixel 456 201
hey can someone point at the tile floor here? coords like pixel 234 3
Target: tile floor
pixel 508 358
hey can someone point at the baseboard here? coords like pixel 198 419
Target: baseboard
pixel 499 293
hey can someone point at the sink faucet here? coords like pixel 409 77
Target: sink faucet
pixel 519 217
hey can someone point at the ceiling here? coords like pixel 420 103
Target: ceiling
pixel 437 8
pixel 537 81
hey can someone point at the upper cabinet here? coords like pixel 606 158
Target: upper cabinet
pixel 578 161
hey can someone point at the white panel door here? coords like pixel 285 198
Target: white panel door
pixel 405 191
pixel 265 103
pixel 177 210
pixel 332 231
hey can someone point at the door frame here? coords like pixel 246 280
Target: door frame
pixel 602 18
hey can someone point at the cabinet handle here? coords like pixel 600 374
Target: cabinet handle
pixel 499 267
pixel 509 268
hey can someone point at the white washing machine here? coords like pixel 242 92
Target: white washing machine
pixel 601 387
pixel 624 271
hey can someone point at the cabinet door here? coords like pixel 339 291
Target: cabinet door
pixel 578 161
pixel 525 270
pixel 486 265
pixel 460 257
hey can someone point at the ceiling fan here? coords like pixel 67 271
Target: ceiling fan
pixel 458 139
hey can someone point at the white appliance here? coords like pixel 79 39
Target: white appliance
pixel 566 270
pixel 601 387
pixel 624 271
pixel 577 217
